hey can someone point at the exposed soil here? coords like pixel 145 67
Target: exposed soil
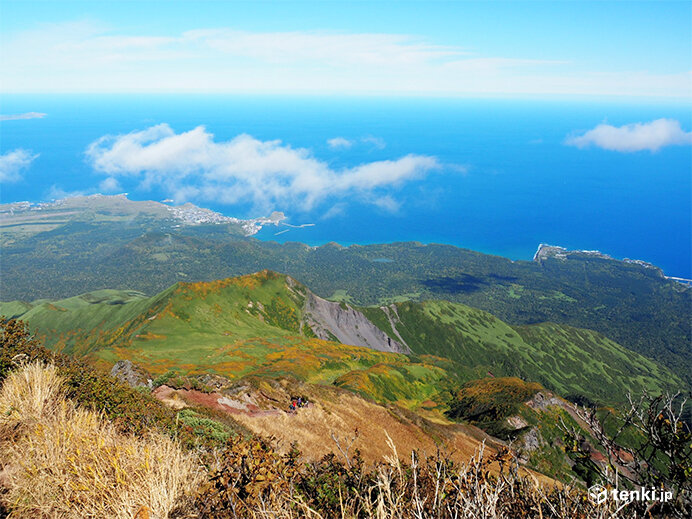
pixel 174 397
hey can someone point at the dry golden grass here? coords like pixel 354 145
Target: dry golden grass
pixel 312 427
pixel 29 395
pixel 317 429
pixel 66 462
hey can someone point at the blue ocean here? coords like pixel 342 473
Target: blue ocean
pixel 507 183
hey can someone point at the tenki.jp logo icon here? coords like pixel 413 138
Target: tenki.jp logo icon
pixel 598 494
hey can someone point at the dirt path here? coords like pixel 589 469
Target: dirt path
pixel 180 398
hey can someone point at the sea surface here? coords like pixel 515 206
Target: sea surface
pixel 508 180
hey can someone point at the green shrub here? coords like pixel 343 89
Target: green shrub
pixel 204 427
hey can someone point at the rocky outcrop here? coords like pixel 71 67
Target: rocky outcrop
pixel 516 422
pixel 330 321
pixel 529 442
pixel 130 374
pixel 542 400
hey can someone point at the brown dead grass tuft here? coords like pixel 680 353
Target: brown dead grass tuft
pixel 29 395
pixel 68 462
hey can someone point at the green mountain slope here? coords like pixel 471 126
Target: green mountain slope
pixel 595 366
pixel 526 413
pixel 573 362
pixel 268 324
pixel 251 325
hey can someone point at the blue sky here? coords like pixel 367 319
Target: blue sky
pixel 630 49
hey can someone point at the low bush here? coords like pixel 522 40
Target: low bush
pixel 252 480
pixel 204 427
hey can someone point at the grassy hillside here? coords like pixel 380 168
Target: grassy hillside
pixel 254 325
pixel 585 363
pixel 67 461
pixel 197 424
pixel 255 400
pixel 235 327
pixel 573 362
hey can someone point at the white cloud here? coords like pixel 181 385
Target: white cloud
pixel 339 142
pixel 650 136
pixel 16 117
pixel 337 209
pixel 68 56
pixel 387 203
pixel 110 185
pixel 377 142
pixel 344 143
pixel 56 192
pixel 191 165
pixel 362 49
pixel 13 162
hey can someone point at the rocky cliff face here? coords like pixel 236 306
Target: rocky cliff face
pixel 339 321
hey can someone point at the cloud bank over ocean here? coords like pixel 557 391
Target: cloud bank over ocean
pixel 193 166
pixel 650 136
pixel 13 162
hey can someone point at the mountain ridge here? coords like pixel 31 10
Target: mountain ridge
pixel 227 322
